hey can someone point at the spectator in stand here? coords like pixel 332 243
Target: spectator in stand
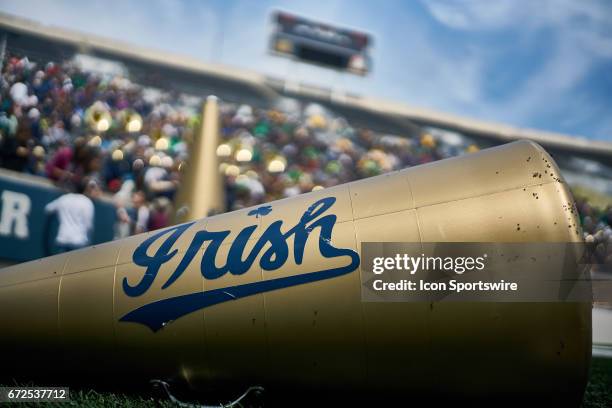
pixel 160 214
pixel 122 200
pixel 158 183
pixel 597 231
pixel 75 212
pixel 59 168
pixel 140 213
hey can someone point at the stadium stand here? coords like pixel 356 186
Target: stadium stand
pixel 79 117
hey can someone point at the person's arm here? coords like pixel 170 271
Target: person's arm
pixel 52 206
pixel 122 215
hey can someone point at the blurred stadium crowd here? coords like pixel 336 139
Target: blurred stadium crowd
pixel 74 126
pixel 272 154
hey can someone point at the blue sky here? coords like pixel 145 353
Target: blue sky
pixel 544 64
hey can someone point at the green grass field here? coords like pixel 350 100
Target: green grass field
pixel 598 394
pixel 599 390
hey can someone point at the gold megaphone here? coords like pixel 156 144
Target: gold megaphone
pixel 271 295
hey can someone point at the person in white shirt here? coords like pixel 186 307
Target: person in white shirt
pixel 75 212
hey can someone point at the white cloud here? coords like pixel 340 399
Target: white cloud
pixel 475 14
pixel 501 14
pixel 578 36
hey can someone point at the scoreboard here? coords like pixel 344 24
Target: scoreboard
pixel 321 44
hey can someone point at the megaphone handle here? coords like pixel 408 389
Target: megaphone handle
pixel 166 388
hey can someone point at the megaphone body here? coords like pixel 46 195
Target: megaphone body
pixel 271 295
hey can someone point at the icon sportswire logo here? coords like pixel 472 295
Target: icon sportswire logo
pixel 273 242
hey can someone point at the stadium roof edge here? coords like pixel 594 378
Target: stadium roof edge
pixel 484 128
pixel 271 86
pixel 83 40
